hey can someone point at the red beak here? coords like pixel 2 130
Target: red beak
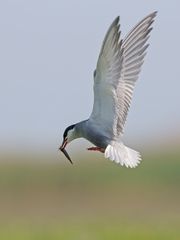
pixel 62 148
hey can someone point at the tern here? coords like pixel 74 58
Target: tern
pixel 116 73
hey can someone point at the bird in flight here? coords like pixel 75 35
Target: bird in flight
pixel 116 73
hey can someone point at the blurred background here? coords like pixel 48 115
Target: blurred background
pixel 48 52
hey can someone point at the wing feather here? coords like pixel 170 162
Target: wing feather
pixel 118 68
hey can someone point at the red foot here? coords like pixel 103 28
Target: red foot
pixel 96 149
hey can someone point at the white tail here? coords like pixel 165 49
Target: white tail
pixel 123 155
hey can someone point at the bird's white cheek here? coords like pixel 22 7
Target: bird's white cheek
pixel 70 138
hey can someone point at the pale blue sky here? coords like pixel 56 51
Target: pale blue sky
pixel 48 51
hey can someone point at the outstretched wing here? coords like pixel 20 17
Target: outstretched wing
pixel 117 70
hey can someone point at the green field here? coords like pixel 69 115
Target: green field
pixel 93 199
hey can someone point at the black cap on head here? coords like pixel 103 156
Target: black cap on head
pixel 67 130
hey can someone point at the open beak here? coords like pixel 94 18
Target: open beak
pixel 62 148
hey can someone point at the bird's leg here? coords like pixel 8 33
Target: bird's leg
pixel 96 149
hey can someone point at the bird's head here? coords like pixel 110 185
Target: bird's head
pixel 68 136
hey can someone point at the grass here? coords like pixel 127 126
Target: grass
pixel 91 231
pixel 93 199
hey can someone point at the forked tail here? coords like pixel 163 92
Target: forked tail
pixel 123 155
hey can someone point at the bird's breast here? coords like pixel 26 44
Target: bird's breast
pixel 94 134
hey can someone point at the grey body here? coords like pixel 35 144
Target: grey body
pixel 86 129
